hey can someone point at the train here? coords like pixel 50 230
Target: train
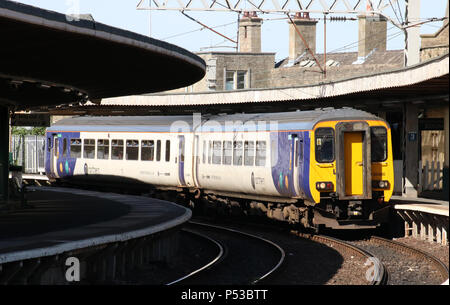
pixel 317 168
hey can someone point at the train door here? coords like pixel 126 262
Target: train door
pixel 295 171
pixel 353 147
pixel 353 165
pixel 54 155
pixel 181 153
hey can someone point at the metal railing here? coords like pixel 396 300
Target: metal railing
pixel 29 152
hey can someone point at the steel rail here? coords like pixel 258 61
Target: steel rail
pixel 212 262
pixel 442 268
pixel 382 273
pixel 283 254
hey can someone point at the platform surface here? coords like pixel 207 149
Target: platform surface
pixel 65 219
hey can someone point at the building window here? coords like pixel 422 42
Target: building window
pixel 240 84
pixel 147 150
pixel 235 80
pixel 103 149
pixel 89 149
pixel 75 148
pixel 229 83
pixel 132 150
pixel 117 150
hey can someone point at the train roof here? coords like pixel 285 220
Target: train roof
pixel 298 120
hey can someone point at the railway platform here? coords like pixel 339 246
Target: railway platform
pixel 426 219
pixel 106 234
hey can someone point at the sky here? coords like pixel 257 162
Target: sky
pixel 177 29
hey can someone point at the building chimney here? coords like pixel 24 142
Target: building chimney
pixel 307 27
pixel 371 34
pixel 250 33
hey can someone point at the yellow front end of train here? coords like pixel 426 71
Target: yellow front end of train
pixel 351 167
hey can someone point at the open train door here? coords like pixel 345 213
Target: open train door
pixel 353 161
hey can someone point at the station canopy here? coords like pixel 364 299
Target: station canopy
pixel 48 58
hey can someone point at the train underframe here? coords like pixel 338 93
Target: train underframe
pixel 330 212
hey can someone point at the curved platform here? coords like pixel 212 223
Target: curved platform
pixel 48 58
pixel 66 221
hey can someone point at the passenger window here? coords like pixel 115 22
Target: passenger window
pixel 249 153
pixel 56 148
pixel 324 145
pixel 168 151
pixel 204 152
pixel 217 152
pixel 158 150
pixel 274 152
pixel 260 153
pixel 300 150
pixel 89 149
pixel 237 153
pixel 378 139
pixel 75 148
pixel 103 149
pixel 210 152
pixel 65 147
pixel 117 149
pixel 147 150
pixel 227 152
pixel 132 152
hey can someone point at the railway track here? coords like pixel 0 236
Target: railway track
pixel 405 264
pixel 243 258
pixel 379 274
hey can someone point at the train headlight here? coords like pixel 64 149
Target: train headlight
pixel 324 186
pixel 380 184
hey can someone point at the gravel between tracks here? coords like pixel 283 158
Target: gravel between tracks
pixel 439 251
pixel 403 269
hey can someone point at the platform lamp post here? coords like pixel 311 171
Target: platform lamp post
pixel 4 153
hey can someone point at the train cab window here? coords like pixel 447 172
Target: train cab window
pixel 217 152
pixel 378 138
pixel 103 149
pixel 132 151
pixel 147 150
pixel 89 149
pixel 227 152
pixel 237 153
pixel 324 145
pixel 249 153
pixel 168 151
pixel 75 148
pixel 65 147
pixel 158 150
pixel 117 149
pixel 260 153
